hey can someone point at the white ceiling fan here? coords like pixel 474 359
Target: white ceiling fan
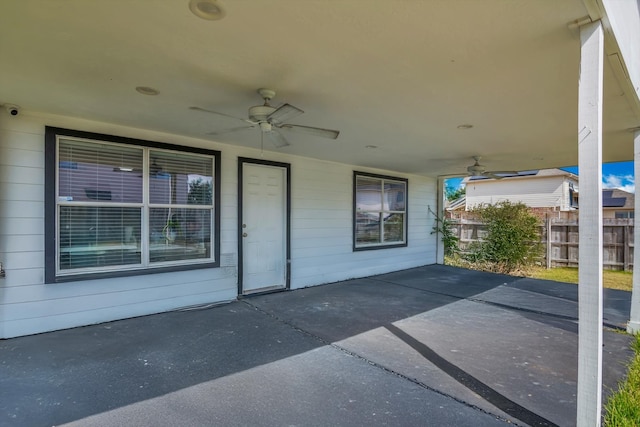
pixel 478 170
pixel 271 120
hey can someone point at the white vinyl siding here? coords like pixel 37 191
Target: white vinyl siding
pixel 543 192
pixel 321 235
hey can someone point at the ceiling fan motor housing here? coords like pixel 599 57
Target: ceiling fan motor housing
pixel 476 169
pixel 259 113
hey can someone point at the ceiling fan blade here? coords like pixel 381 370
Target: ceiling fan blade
pixel 492 175
pixel 225 131
pixel 276 138
pixel 283 113
pixel 503 172
pixel 220 114
pixel 324 133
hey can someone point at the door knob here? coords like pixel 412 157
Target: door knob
pixel 244 234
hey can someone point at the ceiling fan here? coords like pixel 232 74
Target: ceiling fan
pixel 478 170
pixel 271 120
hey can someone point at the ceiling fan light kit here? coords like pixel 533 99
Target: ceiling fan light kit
pixel 271 119
pixel 480 171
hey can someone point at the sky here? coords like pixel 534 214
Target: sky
pixel 614 175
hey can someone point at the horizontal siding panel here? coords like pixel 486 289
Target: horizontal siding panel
pixel 321 232
pixel 23 192
pixel 327 204
pixel 19 260
pixel 14 226
pixel 21 175
pixel 319 217
pixel 314 224
pixel 21 243
pixel 60 306
pixel 22 277
pixel 218 279
pixel 29 141
pixel 322 251
pixel 22 209
pixel 320 242
pixel 25 158
pixel 20 327
pixel 314 277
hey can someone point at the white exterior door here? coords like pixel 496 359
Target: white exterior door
pixel 263 227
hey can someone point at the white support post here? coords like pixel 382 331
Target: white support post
pixel 633 327
pixel 440 213
pixel 590 221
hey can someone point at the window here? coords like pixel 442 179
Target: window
pixel 624 214
pixel 117 206
pixel 380 211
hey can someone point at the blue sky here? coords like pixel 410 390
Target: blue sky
pixel 614 175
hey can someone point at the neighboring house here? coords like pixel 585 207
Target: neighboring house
pixel 617 204
pixel 546 191
pixel 549 192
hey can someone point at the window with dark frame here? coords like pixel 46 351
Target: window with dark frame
pixel 124 206
pixel 380 211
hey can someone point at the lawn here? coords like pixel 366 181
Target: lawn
pixel 611 279
pixel 623 408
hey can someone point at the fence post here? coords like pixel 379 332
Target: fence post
pixel 625 250
pixel 548 243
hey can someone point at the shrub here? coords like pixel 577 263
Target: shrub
pixel 444 226
pixel 512 241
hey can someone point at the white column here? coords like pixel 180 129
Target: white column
pixel 440 213
pixel 590 220
pixel 633 327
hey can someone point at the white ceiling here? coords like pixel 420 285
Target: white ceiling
pixel 400 75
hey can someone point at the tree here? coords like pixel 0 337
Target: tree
pixel 452 193
pixel 513 237
pixel 200 192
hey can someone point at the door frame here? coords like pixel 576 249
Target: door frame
pixel 287 168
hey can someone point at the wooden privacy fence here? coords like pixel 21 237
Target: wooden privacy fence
pixel 560 237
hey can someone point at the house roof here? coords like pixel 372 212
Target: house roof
pixel 613 198
pixel 403 76
pixel 541 173
pixel 459 203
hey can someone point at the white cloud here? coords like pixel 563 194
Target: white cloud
pixel 622 182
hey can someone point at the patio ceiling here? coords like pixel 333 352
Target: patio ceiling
pixel 400 75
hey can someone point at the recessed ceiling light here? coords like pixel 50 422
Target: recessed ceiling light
pixel 371 147
pixel 145 90
pixel 465 126
pixel 210 10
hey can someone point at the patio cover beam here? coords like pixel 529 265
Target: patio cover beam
pixel 633 327
pixel 590 90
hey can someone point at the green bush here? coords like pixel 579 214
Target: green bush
pixel 444 226
pixel 512 241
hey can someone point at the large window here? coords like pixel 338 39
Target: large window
pixel 118 206
pixel 380 211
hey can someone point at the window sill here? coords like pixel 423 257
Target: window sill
pixel 129 273
pixel 380 246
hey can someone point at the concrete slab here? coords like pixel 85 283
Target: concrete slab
pixel 321 387
pixel 427 346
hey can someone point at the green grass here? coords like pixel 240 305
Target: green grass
pixel 611 279
pixel 623 407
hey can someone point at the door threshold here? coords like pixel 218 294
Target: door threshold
pixel 262 291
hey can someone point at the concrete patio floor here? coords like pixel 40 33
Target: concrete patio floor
pixel 430 346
